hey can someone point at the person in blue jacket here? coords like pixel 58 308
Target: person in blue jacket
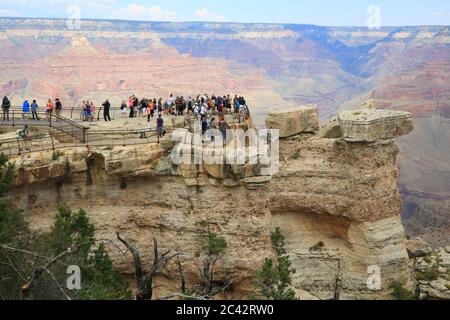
pixel 26 110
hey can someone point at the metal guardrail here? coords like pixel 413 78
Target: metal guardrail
pixel 49 142
pixel 82 136
pixel 61 123
pixel 76 113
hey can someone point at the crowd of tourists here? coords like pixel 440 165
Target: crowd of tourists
pixel 201 107
pixel 177 106
pixel 31 110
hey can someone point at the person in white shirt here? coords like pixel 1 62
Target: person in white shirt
pixel 203 109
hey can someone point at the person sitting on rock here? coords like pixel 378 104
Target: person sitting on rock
pixel 23 133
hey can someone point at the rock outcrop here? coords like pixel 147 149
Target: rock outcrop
pixel 433 273
pixel 291 122
pixel 418 248
pixel 329 191
pixel 370 125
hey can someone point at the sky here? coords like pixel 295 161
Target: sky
pixel 318 12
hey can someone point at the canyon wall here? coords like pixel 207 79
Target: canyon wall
pixel 333 191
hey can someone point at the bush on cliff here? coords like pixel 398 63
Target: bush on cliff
pixel 34 266
pixel 400 293
pixel 274 279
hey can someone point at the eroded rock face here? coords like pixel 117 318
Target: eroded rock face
pixel 418 248
pixel 342 195
pixel 370 125
pixel 294 121
pixel 433 273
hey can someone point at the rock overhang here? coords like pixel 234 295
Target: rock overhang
pixel 293 121
pixel 372 125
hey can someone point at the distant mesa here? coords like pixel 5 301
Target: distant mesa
pixel 79 44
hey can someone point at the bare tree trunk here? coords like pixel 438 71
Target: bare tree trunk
pixel 144 280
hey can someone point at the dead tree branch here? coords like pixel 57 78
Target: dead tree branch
pixel 145 279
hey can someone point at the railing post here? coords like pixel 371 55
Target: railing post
pixel 84 135
pixel 18 145
pixel 13 116
pixel 53 143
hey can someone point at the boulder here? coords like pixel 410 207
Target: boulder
pixel 418 248
pixel 331 129
pixel 370 125
pixel 291 122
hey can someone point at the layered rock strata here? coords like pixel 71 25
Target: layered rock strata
pixel 336 201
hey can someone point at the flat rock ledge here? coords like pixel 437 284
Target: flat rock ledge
pixel 293 121
pixel 371 125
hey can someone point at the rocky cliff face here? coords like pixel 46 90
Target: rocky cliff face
pixel 331 191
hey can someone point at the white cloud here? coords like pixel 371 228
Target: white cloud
pixel 9 13
pixel 438 13
pixel 139 12
pixel 205 15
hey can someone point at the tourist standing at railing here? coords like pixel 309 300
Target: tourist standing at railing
pixel 49 109
pixel 34 108
pixel 123 109
pixel 228 103
pixel 106 108
pixel 92 108
pixel 160 105
pixel 131 105
pixel 6 105
pixel 58 106
pixel 203 108
pixel 141 106
pixel 236 104
pixel 26 110
pixel 88 114
pixel 150 110
pixel 135 107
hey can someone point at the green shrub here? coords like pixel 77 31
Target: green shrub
pixel 274 279
pixel 215 245
pixel 431 274
pixel 296 155
pixel 123 184
pixel 400 293
pixel 56 155
pixel 318 247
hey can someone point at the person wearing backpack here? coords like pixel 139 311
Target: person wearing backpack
pixel 34 107
pixel 6 105
pixel 106 108
pixel 58 107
